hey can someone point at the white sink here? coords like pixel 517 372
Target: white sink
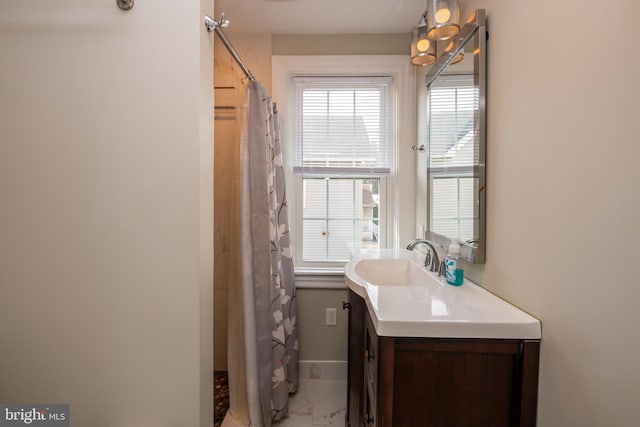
pixel 391 272
pixel 383 267
pixel 404 299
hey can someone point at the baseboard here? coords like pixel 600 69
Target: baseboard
pixel 323 369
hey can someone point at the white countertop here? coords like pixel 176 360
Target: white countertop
pixel 432 308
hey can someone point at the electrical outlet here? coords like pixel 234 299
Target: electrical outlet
pixel 330 317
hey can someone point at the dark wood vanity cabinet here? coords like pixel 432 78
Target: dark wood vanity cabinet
pixel 438 382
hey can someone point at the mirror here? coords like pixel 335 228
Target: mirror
pixel 456 143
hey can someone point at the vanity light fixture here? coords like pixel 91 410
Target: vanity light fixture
pixel 423 50
pixel 452 46
pixel 443 19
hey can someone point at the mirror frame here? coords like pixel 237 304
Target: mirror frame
pixel 475 31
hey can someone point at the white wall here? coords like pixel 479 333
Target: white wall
pixel 341 44
pixel 106 220
pixel 563 198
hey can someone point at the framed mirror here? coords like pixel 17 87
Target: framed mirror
pixel 456 141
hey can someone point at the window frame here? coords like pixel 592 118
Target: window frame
pixel 399 186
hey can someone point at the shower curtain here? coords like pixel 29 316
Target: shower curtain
pixel 263 336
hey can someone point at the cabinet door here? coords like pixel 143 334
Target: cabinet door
pixel 355 378
pixel 370 373
pixel 458 382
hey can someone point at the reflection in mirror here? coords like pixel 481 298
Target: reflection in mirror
pixel 456 142
pixel 451 155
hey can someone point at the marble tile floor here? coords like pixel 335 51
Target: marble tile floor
pixel 318 403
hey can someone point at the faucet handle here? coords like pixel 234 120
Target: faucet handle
pixel 427 259
pixel 442 268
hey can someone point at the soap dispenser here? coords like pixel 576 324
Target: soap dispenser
pixel 454 272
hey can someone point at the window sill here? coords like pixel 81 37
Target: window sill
pixel 320 278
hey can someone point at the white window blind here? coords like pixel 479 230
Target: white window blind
pixel 453 102
pixel 342 125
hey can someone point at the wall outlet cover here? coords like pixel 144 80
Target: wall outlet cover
pixel 330 317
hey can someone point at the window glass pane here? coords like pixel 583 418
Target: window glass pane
pixel 452 211
pixel 445 193
pixel 346 215
pixel 341 239
pixel 466 229
pixel 452 105
pixel 314 234
pixel 345 198
pixel 342 124
pixel 447 227
pixel 314 198
pixel 466 198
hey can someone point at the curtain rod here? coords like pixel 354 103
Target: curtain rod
pixel 212 25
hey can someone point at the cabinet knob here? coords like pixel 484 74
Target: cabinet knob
pixel 369 354
pixel 369 419
pixel 346 305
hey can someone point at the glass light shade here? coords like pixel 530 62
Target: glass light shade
pixel 423 50
pixel 451 47
pixel 443 19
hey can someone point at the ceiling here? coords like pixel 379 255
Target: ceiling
pixel 321 16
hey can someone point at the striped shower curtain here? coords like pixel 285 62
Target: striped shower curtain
pixel 263 336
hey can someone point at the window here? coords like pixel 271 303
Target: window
pixel 353 176
pixel 452 102
pixel 342 155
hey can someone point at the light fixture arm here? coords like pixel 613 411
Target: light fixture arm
pixel 424 15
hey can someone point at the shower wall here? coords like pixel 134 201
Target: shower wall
pixel 255 50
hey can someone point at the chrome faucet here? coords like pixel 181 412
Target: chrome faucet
pixel 431 260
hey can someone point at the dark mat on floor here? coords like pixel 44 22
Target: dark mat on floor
pixel 220 396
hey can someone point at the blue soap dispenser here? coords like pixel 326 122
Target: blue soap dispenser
pixel 454 272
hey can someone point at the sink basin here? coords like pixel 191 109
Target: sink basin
pixel 391 272
pixel 382 268
pixel 404 299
